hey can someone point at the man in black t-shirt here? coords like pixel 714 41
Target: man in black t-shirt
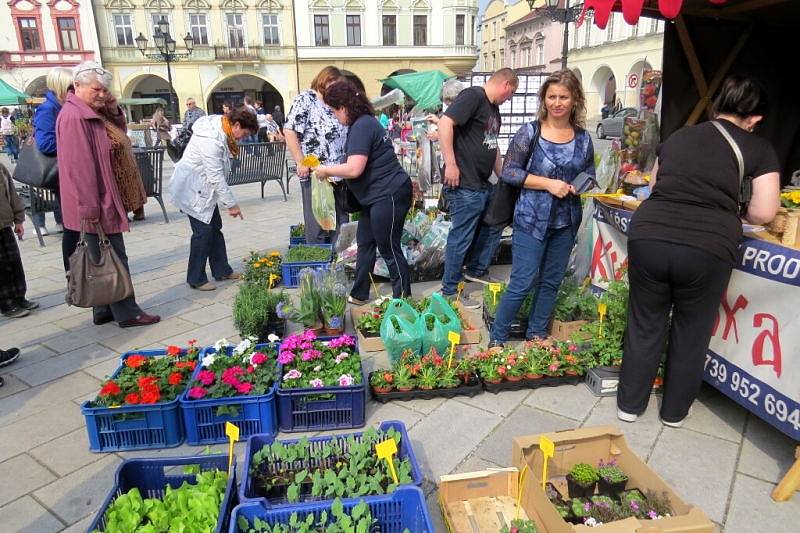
pixel 468 139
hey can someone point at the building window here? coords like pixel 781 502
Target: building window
pixel 390 30
pixel 588 35
pixel 502 58
pixel 494 29
pixel 156 18
pixel 322 36
pixel 198 27
pixel 485 62
pixel 271 31
pixel 353 30
pixel 540 51
pixel 610 28
pixel 527 57
pixel 653 25
pixel 29 34
pixel 68 33
pixel 460 29
pixel 420 30
pixel 123 28
pixel 235 30
pixel 513 59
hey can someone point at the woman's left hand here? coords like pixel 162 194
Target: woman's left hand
pixel 321 173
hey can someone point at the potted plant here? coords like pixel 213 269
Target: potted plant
pixel 612 478
pixel 606 335
pixel 310 363
pixel 382 382
pixel 302 253
pixel 536 360
pixel 518 525
pixel 255 311
pixel 403 379
pixel 581 481
pixel 333 299
pixel 515 365
pixel 448 378
pixel 574 307
pixel 428 377
pixel 263 268
pixel 581 508
pixel 308 311
pixel 572 360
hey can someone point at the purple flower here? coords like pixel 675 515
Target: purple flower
pixel 634 506
pixel 316 383
pixel 652 514
pixel 310 355
pixel 339 342
pixel 345 380
pixel 587 507
pixel 285 357
pixel 279 310
pixel 341 357
pixel 292 374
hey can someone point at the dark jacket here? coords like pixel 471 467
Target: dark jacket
pixel 11 208
pixel 44 124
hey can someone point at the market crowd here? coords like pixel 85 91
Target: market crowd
pixel 682 240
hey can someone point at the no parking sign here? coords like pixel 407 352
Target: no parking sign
pixel 633 80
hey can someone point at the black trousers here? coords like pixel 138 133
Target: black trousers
pixel 689 283
pixel 12 275
pixel 207 246
pixel 381 226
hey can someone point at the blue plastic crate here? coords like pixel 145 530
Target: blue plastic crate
pixel 152 476
pixel 295 240
pixel 257 442
pixel 403 509
pixel 290 272
pixel 134 427
pixel 256 414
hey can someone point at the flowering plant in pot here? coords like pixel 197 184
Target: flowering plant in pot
pixel 518 525
pixel 260 268
pixel 581 480
pixel 571 358
pixel 612 478
pixel 308 362
pixel 403 379
pixel 308 312
pixel 382 382
pixel 536 360
pixel 149 380
pixel 332 299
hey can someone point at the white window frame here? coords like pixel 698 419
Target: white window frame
pixel 314 28
pixel 276 29
pixel 392 14
pixel 464 40
pixel 360 29
pixel 427 28
pixel 539 51
pixel 129 25
pixel 228 26
pixel 190 26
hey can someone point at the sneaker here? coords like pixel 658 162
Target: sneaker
pixel 44 231
pixel 27 304
pixel 485 279
pixel 16 312
pixel 8 356
pixel 469 303
pixel 356 301
pixel 626 417
pixel 59 228
pixel 677 424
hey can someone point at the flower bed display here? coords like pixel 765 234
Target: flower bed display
pixel 415 377
pixel 138 408
pixel 300 256
pixel 232 384
pixel 323 468
pixel 321 383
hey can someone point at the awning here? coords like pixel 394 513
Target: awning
pixel 425 88
pixel 142 101
pixel 11 96
pixel 632 9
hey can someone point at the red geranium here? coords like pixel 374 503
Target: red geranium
pixel 150 395
pixel 146 381
pixel 132 398
pixel 174 351
pixel 110 389
pixel 135 361
pixel 175 378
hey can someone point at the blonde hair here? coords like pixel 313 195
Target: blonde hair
pixel 59 80
pixel 568 79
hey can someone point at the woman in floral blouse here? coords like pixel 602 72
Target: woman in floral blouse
pixel 311 128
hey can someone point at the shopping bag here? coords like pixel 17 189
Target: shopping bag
pixel 434 333
pixel 399 330
pixel 323 204
pixel 444 313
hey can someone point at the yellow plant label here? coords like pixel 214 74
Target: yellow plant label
pixel 454 339
pixel 602 308
pixel 386 450
pixel 548 451
pixel 272 277
pixel 495 288
pixel 232 431
pixel 519 488
pixel 310 161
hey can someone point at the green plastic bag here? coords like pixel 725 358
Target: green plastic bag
pixel 323 204
pixel 443 319
pixel 399 330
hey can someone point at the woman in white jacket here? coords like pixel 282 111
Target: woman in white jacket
pixel 198 184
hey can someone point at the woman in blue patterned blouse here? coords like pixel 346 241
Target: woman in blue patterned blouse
pixel 545 156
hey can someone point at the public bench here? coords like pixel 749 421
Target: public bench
pixel 259 163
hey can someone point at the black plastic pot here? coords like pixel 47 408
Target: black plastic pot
pixel 612 489
pixel 277 327
pixel 579 491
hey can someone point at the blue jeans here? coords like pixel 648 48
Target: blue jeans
pixel 467 232
pixel 207 246
pixel 548 258
pixel 12 148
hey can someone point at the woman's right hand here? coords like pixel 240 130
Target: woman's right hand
pixel 235 211
pixel 559 188
pixel 303 171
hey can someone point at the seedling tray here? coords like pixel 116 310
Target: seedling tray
pixel 402 510
pixel 470 389
pixel 290 272
pixel 295 240
pixel 516 331
pixel 247 491
pixel 255 414
pixel 152 476
pixel 532 383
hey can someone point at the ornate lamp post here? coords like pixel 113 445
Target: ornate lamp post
pixel 166 53
pixel 564 15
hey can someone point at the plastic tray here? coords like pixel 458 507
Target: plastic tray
pixel 134 427
pixel 295 240
pixel 403 509
pixel 152 476
pixel 290 272
pixel 257 442
pixel 256 414
pixel 532 383
pixel 516 331
pixel 469 389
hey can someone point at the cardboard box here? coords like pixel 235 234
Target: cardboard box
pixel 589 445
pixel 485 501
pixel 470 318
pixel 562 331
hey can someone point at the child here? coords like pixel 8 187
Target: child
pixel 12 277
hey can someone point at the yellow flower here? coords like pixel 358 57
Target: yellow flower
pixel 256 266
pixel 275 254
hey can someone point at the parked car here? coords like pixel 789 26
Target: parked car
pixel 612 126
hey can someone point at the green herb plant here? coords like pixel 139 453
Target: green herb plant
pixel 301 253
pixel 606 336
pixel 298 230
pixel 610 472
pixel 254 308
pixel 573 302
pixel 358 520
pixel 583 474
pixel 490 303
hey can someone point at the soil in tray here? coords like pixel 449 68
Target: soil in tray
pixel 532 383
pixel 471 388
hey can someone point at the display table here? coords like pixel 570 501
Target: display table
pixel 754 355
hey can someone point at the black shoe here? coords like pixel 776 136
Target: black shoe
pixel 102 319
pixel 27 304
pixel 8 356
pixel 496 344
pixel 15 312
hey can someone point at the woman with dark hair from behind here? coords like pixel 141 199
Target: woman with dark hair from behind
pixel 682 246
pixel 199 183
pixel 380 185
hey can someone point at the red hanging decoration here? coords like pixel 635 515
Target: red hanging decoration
pixel 632 9
pixel 602 11
pixel 670 8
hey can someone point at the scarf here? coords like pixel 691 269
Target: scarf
pixel 233 146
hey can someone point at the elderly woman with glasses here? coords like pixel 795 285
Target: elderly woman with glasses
pixel 98 177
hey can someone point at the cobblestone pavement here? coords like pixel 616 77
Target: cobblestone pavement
pixel 724 460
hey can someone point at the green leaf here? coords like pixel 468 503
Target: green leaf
pixel 337 509
pixel 293 493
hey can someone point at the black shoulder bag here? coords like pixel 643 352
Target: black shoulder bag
pixel 745 182
pixel 501 209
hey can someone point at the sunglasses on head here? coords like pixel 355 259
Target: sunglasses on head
pixel 97 70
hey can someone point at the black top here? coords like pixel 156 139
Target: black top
pixel 695 199
pixel 383 174
pixel 475 136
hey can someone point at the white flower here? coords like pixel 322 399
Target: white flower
pixel 220 344
pixel 208 360
pixel 591 522
pixel 273 338
pixel 382 299
pixel 317 368
pixel 252 339
pixel 242 347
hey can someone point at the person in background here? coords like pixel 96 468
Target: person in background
pixel 260 108
pixel 98 178
pixel 59 83
pixel 683 243
pixel 277 114
pixel 192 113
pixel 227 107
pixel 248 103
pixel 547 214
pixel 374 176
pixel 311 128
pixel 6 358
pixel 9 132
pixel 199 184
pixel 12 276
pixel 269 130
pixel 450 90
pixel 384 120
pixel 468 141
pixel 161 126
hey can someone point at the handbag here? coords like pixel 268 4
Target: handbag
pixel 94 283
pixel 349 202
pixel 745 182
pixel 36 169
pixel 177 146
pixel 502 205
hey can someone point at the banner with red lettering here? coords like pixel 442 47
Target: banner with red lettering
pixel 754 355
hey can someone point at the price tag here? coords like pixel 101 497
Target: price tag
pixel 386 450
pixel 548 451
pixel 232 431
pixel 272 277
pixel 602 308
pixel 454 339
pixel 459 289
pixel 519 488
pixel 495 288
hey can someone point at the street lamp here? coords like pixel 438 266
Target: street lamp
pixel 166 53
pixel 564 15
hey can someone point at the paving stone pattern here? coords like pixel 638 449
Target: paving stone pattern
pixel 725 460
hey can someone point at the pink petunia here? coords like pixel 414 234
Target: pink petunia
pixel 292 374
pixel 285 357
pixel 196 393
pixel 346 380
pixel 258 358
pixel 341 357
pixel 310 355
pixel 316 383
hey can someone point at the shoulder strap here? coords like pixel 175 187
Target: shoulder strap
pixel 536 127
pixel 735 147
